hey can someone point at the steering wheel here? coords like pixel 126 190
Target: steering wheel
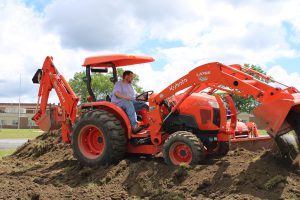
pixel 144 96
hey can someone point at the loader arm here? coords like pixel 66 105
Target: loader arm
pixel 49 78
pixel 233 80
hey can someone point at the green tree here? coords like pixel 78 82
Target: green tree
pixel 101 84
pixel 248 104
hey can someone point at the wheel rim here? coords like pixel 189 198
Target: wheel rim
pixel 180 153
pixel 91 141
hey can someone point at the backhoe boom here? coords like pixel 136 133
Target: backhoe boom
pixel 50 78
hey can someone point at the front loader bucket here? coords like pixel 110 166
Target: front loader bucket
pixel 281 119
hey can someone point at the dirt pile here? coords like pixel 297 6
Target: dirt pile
pixel 44 168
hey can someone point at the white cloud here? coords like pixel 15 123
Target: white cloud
pixel 24 46
pixel 225 31
pixel 93 25
pixel 281 75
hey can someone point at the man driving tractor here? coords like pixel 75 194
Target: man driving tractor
pixel 124 96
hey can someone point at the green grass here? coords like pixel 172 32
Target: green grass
pixel 262 132
pixel 6 152
pixel 271 183
pixel 19 133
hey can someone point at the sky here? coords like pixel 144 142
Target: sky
pixel 179 34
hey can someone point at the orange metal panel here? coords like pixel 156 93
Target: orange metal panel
pixel 114 109
pixel 65 133
pixel 233 119
pixel 272 114
pixel 42 121
pixel 251 139
pixel 223 137
pixel 144 149
pixel 117 59
pixel 223 115
pixel 253 144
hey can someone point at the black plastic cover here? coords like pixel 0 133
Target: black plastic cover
pixel 37 76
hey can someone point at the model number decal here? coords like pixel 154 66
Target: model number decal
pixel 59 92
pixel 202 76
pixel 204 73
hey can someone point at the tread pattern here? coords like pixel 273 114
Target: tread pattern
pixel 114 133
pixel 188 138
pixel 224 148
pixel 289 144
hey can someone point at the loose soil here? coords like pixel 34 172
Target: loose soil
pixel 44 168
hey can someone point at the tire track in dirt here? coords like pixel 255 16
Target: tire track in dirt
pixel 44 168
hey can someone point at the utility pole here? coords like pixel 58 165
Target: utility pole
pixel 19 103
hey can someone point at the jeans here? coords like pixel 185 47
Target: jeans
pixel 131 107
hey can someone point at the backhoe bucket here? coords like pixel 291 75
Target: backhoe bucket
pixel 281 119
pixel 47 121
pixel 43 122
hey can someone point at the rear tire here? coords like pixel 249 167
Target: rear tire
pixel 183 147
pixel 98 138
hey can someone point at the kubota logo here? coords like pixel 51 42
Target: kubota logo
pixel 59 91
pixel 178 84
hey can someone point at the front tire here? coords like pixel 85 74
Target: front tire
pixel 289 143
pixel 183 147
pixel 288 146
pixel 98 138
pixel 223 148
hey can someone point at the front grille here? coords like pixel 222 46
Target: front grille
pixel 205 116
pixel 217 117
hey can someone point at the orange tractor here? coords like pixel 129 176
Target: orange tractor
pixel 185 127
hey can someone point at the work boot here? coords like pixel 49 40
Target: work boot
pixel 137 129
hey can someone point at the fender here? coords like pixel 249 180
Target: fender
pixel 112 108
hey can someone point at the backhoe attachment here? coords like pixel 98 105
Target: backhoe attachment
pixel 55 117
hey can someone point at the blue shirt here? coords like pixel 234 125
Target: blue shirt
pixel 123 88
